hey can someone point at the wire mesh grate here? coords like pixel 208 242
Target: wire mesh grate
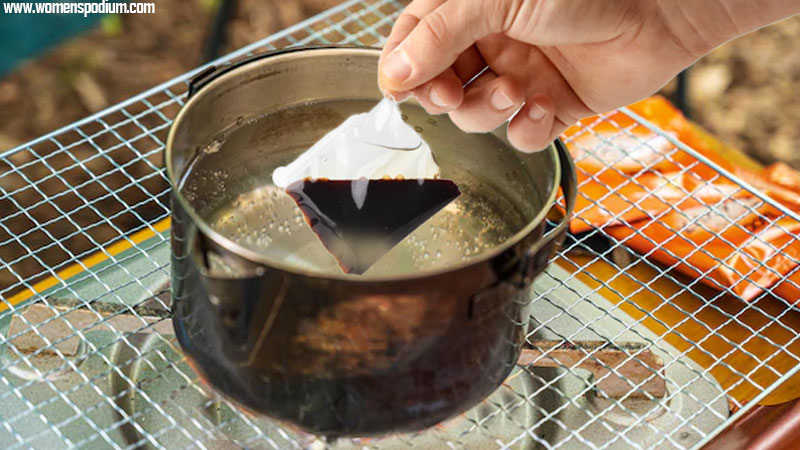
pixel 88 359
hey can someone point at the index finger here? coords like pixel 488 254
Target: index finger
pixel 408 19
pixel 437 39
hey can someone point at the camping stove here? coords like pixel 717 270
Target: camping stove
pixel 571 386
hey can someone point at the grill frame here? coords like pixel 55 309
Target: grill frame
pixel 107 232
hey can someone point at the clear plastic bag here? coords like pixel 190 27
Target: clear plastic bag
pixel 373 145
pixel 366 185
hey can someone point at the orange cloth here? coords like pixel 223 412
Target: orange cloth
pixel 620 161
pixel 677 210
pixel 725 247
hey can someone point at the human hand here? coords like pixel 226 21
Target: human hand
pixel 557 60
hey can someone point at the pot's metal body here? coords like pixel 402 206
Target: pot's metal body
pixel 342 355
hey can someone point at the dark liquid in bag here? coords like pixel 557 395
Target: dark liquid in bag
pixel 358 221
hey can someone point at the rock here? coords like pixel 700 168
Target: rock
pixel 709 82
pixel 90 93
pixel 783 146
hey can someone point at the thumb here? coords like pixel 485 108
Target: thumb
pixel 437 40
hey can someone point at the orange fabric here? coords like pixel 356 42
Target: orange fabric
pixel 620 161
pixel 618 140
pixel 678 211
pixel 783 175
pixel 789 289
pixel 732 247
pixel 780 183
pixel 611 198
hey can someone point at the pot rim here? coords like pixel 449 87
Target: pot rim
pixel 222 75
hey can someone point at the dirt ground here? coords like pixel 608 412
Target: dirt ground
pixel 747 91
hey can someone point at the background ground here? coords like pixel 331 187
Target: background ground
pixel 747 92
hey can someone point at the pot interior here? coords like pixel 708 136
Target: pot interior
pixel 244 124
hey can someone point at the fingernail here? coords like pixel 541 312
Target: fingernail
pixel 396 66
pixel 437 99
pixel 536 112
pixel 500 100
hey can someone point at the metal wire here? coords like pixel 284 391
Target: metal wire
pixel 84 218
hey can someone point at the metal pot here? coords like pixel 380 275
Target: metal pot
pixel 397 350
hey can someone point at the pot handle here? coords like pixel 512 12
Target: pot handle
pixel 204 253
pixel 199 80
pixel 247 304
pixel 539 253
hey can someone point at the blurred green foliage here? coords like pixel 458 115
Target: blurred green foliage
pixel 111 25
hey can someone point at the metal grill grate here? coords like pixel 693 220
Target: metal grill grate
pixel 84 236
